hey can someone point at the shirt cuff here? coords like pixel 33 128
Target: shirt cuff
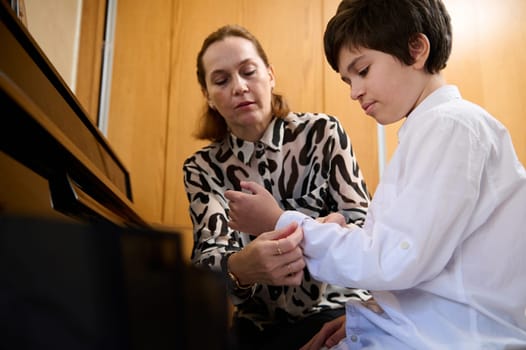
pixel 290 216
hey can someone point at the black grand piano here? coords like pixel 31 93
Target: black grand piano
pixel 79 267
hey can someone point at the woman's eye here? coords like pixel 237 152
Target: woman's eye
pixel 250 72
pixel 220 81
pixel 364 72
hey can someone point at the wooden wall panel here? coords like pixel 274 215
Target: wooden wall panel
pixel 502 34
pixel 289 31
pixel 488 62
pixel 90 56
pixel 139 98
pixel 291 50
pixel 192 22
pixel 156 99
pixel 360 127
pixel 55 26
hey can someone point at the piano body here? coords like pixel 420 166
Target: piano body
pixel 79 267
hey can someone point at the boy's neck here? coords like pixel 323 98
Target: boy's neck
pixel 434 82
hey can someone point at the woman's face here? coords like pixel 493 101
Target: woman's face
pixel 239 86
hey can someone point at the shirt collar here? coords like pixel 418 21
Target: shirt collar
pixel 441 95
pixel 272 139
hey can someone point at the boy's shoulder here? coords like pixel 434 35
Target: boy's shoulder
pixel 459 112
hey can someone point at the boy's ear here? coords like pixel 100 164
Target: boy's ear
pixel 419 49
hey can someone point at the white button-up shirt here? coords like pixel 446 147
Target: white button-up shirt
pixel 443 247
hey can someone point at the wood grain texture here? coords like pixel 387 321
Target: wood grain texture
pixel 488 62
pixel 290 33
pixel 360 127
pixel 139 98
pixel 156 100
pixel 90 56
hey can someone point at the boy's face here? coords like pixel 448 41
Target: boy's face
pixel 386 89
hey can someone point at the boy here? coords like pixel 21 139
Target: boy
pixel 443 245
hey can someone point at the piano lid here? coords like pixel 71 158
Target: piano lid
pixel 44 127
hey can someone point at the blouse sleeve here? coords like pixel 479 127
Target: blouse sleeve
pixel 214 241
pixel 346 183
pixel 417 218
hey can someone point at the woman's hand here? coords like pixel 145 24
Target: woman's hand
pixel 273 258
pixel 255 212
pixel 330 334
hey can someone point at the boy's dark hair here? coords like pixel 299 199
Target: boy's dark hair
pixel 390 26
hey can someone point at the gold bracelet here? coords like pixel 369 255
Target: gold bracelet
pixel 237 284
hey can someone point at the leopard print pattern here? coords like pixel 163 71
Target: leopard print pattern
pixel 307 162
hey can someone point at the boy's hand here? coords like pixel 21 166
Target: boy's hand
pixel 255 212
pixel 336 218
pixel 330 334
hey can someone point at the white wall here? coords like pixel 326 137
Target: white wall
pixel 55 24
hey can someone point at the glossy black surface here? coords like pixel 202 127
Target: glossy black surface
pixel 43 126
pixel 99 286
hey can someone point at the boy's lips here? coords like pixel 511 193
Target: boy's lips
pixel 367 106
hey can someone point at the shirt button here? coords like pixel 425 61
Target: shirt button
pixel 404 245
pixel 354 338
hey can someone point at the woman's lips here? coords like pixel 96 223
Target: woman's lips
pixel 244 104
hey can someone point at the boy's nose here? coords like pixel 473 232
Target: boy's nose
pixel 356 92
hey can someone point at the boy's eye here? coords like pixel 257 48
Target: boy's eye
pixel 364 72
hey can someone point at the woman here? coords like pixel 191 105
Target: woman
pixel 302 159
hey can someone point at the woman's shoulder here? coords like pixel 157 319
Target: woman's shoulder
pixel 204 152
pixel 311 117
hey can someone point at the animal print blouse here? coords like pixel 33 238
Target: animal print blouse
pixel 306 161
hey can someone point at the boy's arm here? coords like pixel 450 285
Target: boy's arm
pixel 258 212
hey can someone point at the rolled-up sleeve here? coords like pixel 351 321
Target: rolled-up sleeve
pixel 418 216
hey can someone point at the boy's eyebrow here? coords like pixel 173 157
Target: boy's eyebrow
pixel 351 65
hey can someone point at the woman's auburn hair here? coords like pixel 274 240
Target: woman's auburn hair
pixel 212 126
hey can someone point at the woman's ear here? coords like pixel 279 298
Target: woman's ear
pixel 419 50
pixel 208 100
pixel 272 76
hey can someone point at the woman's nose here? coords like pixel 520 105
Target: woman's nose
pixel 240 85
